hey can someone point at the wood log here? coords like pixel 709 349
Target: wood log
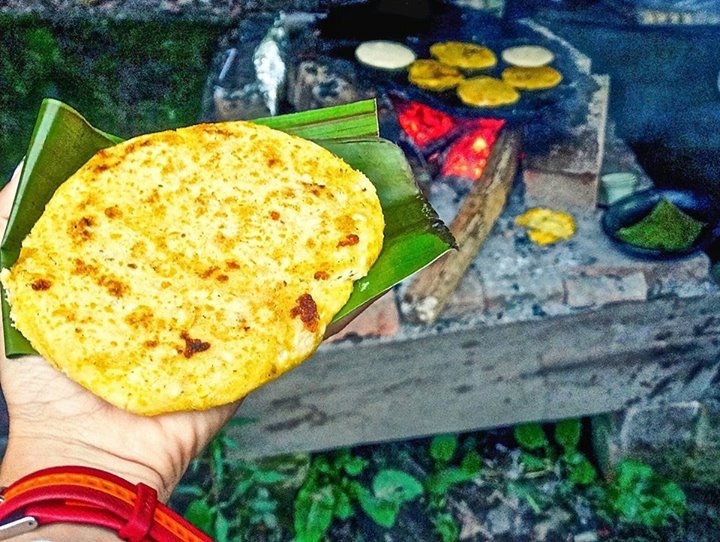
pixel 431 289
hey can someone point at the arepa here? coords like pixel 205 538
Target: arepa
pixel 183 269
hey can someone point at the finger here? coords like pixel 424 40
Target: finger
pixel 7 194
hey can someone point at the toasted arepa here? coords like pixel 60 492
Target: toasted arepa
pixel 486 91
pixel 183 269
pixel 540 78
pixel 464 55
pixel 433 75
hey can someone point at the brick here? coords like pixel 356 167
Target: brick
pixel 684 277
pixel 469 297
pixel 531 288
pixel 381 319
pixel 589 291
pixel 559 190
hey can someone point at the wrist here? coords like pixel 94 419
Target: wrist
pixel 27 453
pixel 82 499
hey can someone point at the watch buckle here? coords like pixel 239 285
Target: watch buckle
pixel 17 527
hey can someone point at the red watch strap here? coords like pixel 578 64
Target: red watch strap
pixel 93 497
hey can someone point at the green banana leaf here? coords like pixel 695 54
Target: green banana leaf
pixel 63 140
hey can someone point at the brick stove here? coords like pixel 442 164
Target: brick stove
pixel 515 332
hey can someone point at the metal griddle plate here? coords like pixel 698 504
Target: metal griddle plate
pixel 543 114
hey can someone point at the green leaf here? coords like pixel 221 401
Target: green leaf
pixel 440 482
pixel 530 436
pixel 472 463
pixel 269 477
pixel 442 447
pixel 532 463
pixel 381 511
pixel 313 514
pixel 354 120
pixel 189 490
pixel 640 495
pixel 396 486
pixel 218 460
pixel 567 434
pixel 222 528
pixel 674 496
pixel 343 505
pixel 446 527
pixel 200 513
pixel 354 465
pixel 631 474
pixel 580 470
pixel 414 235
pixel 241 488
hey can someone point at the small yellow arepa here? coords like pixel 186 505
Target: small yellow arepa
pixel 486 91
pixel 433 75
pixel 183 269
pixel 540 78
pixel 464 55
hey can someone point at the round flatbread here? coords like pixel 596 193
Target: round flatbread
pixel 433 75
pixel 467 56
pixel 540 78
pixel 385 55
pixel 527 56
pixel 486 92
pixel 183 269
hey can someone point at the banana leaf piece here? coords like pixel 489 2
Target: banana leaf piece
pixel 63 140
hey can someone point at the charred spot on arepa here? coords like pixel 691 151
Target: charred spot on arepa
pixel 84 269
pixel 113 212
pixel 113 286
pixel 193 346
pixel 306 309
pixel 81 230
pixel 40 285
pixel 349 240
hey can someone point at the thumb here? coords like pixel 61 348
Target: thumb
pixel 7 196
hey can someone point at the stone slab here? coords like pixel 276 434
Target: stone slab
pixel 464 378
pixel 680 440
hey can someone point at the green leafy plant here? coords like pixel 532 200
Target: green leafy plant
pixel 446 473
pixel 391 489
pixel 327 493
pixel 540 454
pixel 638 494
pixel 333 490
pixel 451 464
pixel 230 498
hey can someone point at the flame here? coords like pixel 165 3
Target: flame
pixel 423 124
pixel 467 156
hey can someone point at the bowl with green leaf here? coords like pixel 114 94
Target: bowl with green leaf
pixel 662 223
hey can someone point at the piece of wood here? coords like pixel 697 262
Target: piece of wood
pixel 432 287
pixel 479 377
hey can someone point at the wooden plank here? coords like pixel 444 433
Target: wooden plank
pixel 487 376
pixel 433 287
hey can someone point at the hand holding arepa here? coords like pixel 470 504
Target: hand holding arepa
pixel 54 421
